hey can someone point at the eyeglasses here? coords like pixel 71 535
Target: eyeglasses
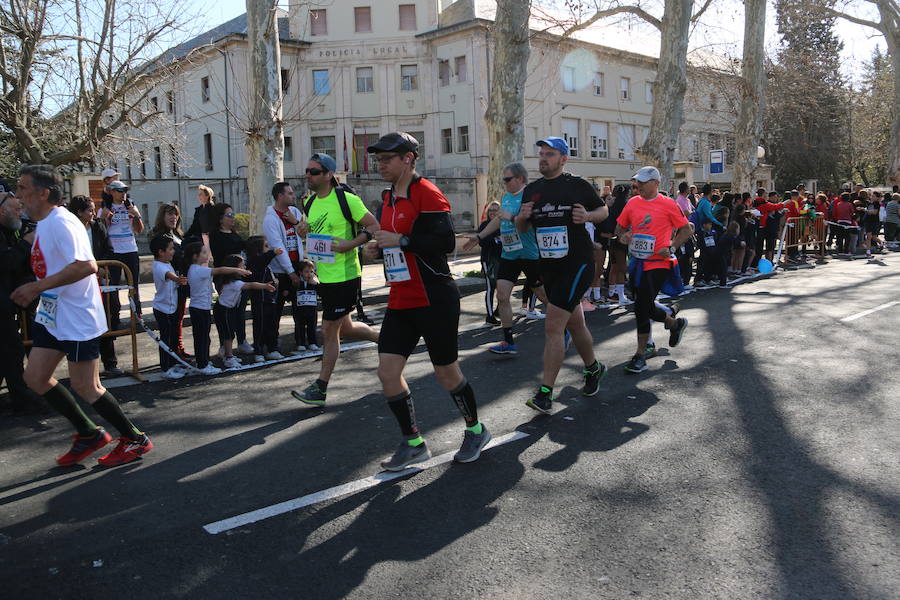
pixel 314 171
pixel 550 154
pixel 508 179
pixel 384 158
pixel 228 214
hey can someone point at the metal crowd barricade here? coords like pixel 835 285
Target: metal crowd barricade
pixel 106 290
pixel 802 231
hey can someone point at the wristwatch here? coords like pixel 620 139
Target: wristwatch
pixel 404 241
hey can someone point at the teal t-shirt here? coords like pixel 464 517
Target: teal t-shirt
pixel 515 244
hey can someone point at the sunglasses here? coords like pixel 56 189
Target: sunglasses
pixel 314 171
pixel 228 214
pixel 508 179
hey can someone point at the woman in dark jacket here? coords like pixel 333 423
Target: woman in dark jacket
pixel 224 241
pixel 203 221
pixel 168 224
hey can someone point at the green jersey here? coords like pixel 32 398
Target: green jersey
pixel 325 218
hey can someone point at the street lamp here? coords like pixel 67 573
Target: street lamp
pixel 561 108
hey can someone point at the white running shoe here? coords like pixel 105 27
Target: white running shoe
pixel 173 373
pixel 245 347
pixel 210 370
pixel 274 355
pixel 258 358
pixel 313 347
pixel 535 315
pixel 232 362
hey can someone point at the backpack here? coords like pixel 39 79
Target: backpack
pixel 341 190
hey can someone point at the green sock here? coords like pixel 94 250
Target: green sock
pixel 416 441
pixel 476 428
pixel 547 390
pixel 593 367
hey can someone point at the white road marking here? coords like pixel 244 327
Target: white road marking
pixel 343 490
pixel 869 312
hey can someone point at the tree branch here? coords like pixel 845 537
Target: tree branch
pixel 610 12
pixel 842 15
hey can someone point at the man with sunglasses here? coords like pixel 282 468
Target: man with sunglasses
pixel 557 206
pixel 332 242
pixel 416 235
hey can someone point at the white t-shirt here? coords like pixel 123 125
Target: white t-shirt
pixel 60 240
pixel 166 298
pixel 200 281
pixel 230 293
pixel 121 235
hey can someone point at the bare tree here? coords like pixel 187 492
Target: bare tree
pixel 505 114
pixel 753 94
pixel 73 76
pixel 265 132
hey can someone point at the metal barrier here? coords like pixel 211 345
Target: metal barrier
pixel 106 290
pixel 802 231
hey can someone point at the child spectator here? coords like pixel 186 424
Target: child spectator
pixel 725 246
pixel 706 266
pixel 165 302
pixel 307 303
pixel 263 303
pixel 199 277
pixel 228 307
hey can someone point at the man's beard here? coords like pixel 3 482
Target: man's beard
pixel 12 223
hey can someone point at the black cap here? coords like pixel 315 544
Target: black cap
pixel 396 141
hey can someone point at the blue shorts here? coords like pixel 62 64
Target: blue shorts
pixel 74 351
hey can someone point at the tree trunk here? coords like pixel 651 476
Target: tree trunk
pixel 505 116
pixel 669 89
pixel 265 131
pixel 891 22
pixel 753 95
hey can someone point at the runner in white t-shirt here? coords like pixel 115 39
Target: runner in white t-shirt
pixel 69 322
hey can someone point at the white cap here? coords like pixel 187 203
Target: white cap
pixel 109 173
pixel 646 174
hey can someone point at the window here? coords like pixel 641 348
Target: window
pixel 204 89
pixel 713 103
pixel 157 161
pixel 444 72
pixel 285 80
pixel 318 22
pixel 170 102
pixel 362 162
pixel 695 149
pixel 288 149
pixel 598 84
pixel 626 142
pixel 598 134
pixel 625 88
pixel 420 161
pixel 174 163
pixel 154 104
pixel 446 141
pixel 463 144
pixel 320 82
pixel 461 71
pixel 570 134
pixel 648 92
pixel 407 17
pixel 409 77
pixel 362 16
pixel 365 80
pixel 323 144
pixel 208 151
pixel 142 158
pixel 568 79
pixel 715 141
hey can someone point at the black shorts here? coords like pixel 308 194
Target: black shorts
pixel 511 267
pixel 438 325
pixel 75 351
pixel 565 284
pixel 338 299
pixel 873 228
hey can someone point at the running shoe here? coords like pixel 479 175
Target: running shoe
pixel 245 348
pixel 492 320
pixel 311 395
pixel 126 451
pixel 592 380
pixel 542 401
pixel 174 373
pixel 586 305
pixel 637 364
pixel 504 348
pixel 232 362
pixel 676 332
pixel 650 351
pixel 274 355
pixel 301 348
pixel 113 371
pixel 210 369
pixel 313 347
pixel 473 444
pixel 406 455
pixel 535 315
pixel 84 446
pixel 258 358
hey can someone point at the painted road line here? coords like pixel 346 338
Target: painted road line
pixel 869 312
pixel 343 490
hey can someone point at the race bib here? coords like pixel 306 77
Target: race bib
pixel 318 248
pixel 709 241
pixel 553 242
pixel 46 310
pixel 395 267
pixel 642 245
pixel 306 298
pixel 290 244
pixel 511 241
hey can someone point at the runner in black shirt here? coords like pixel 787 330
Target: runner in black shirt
pixel 558 205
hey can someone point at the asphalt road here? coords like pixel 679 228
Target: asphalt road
pixel 756 460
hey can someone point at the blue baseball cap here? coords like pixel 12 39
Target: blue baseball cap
pixel 326 161
pixel 557 143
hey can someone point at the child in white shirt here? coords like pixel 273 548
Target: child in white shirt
pixel 165 302
pixel 227 309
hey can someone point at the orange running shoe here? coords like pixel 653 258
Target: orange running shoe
pixel 84 446
pixel 126 451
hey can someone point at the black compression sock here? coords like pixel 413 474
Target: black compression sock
pixel 322 385
pixel 507 335
pixel 405 413
pixel 65 404
pixel 108 408
pixel 464 397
